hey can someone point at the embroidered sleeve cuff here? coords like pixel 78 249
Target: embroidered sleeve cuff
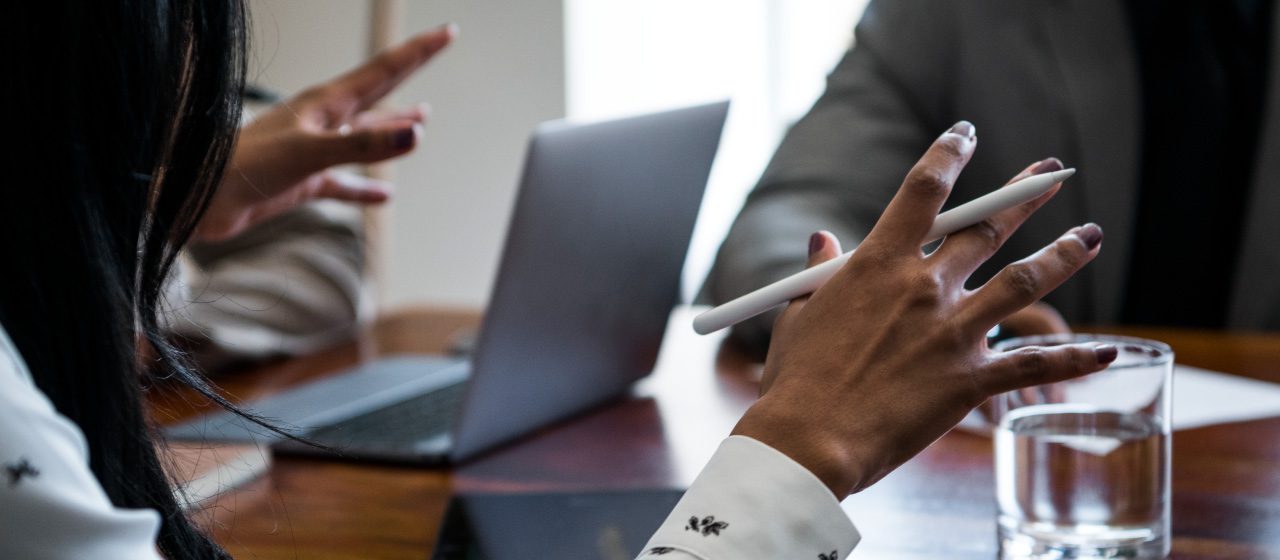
pixel 751 501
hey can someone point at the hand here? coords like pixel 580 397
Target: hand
pixel 282 158
pixel 891 352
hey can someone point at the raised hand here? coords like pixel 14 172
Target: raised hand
pixel 283 158
pixel 891 353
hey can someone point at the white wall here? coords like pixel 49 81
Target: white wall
pixel 503 75
pixel 295 43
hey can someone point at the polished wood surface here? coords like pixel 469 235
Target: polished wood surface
pixel 1226 479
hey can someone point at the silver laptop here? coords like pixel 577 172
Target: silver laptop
pixel 589 274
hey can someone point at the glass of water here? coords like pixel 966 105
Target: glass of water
pixel 1082 466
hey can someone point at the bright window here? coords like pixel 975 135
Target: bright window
pixel 769 56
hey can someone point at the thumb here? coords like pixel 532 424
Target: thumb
pixel 369 144
pixel 823 246
pixel 350 187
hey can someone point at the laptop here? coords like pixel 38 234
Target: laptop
pixel 589 274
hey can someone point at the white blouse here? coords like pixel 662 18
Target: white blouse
pixel 750 501
pixel 51 505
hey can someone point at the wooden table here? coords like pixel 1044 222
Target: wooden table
pixel 1226 479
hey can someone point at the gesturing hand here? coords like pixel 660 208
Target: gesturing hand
pixel 282 158
pixel 891 352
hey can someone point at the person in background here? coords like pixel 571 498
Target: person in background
pixel 290 278
pixel 110 187
pixel 1163 106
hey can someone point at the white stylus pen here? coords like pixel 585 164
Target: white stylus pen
pixel 809 280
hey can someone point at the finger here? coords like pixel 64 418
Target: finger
pixel 910 214
pixel 350 187
pixel 1037 365
pixel 418 113
pixel 1026 281
pixel 823 246
pixel 372 80
pixel 964 251
pixel 365 145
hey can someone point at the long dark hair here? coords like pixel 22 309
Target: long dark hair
pixel 121 115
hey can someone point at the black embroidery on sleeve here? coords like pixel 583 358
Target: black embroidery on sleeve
pixel 708 526
pixel 20 470
pixel 831 556
pixel 660 550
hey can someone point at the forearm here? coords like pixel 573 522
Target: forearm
pixel 290 286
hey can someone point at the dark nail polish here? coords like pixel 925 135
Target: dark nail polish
pixel 816 242
pixel 963 128
pixel 1091 234
pixel 1047 166
pixel 1106 353
pixel 403 139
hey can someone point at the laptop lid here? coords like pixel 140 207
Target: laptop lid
pixel 590 270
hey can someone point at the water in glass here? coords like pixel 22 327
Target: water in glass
pixel 1075 481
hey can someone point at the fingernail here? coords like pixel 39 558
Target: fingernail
pixel 1090 234
pixel 816 242
pixel 1106 353
pixel 964 128
pixel 1046 166
pixel 403 139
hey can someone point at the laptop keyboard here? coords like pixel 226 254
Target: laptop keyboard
pixel 400 424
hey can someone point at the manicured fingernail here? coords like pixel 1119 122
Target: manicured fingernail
pixel 1090 234
pixel 964 128
pixel 1106 353
pixel 1046 166
pixel 816 242
pixel 403 139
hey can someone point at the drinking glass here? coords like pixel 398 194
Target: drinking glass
pixel 1082 466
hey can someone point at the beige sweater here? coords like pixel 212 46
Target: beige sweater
pixel 288 286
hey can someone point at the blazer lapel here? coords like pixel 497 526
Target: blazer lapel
pixel 1089 42
pixel 1255 301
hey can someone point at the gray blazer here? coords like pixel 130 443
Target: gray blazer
pixel 1037 79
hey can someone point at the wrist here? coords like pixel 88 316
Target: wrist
pixel 809 441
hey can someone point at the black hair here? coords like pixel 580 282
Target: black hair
pixel 121 116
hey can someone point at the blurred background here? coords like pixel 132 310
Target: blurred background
pixel 521 62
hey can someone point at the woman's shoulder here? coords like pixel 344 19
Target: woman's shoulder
pixel 51 505
pixel 11 364
pixel 25 411
pixel 30 423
